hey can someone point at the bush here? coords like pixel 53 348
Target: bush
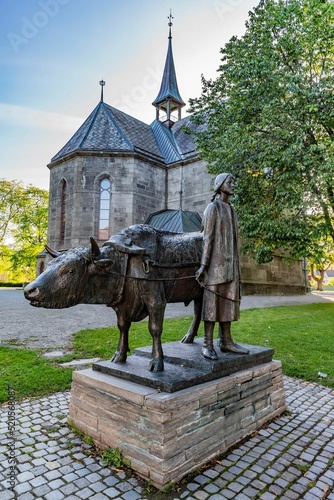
pixel 9 284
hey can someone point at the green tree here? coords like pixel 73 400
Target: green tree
pixel 269 119
pixel 11 196
pixel 321 260
pixel 23 227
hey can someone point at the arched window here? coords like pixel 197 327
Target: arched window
pixel 63 210
pixel 104 215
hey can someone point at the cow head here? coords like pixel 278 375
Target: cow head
pixel 76 276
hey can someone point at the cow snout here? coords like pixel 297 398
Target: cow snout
pixel 31 293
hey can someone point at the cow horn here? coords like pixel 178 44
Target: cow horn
pixel 51 252
pixel 94 247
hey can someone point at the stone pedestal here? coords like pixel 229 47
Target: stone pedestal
pixel 166 435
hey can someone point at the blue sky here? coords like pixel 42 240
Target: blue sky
pixel 53 53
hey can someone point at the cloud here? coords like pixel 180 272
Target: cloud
pixel 21 116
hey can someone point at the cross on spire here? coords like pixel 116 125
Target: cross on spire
pixel 170 24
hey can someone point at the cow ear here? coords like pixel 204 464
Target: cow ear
pixel 51 252
pixel 94 248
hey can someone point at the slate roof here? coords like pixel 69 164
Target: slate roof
pixel 177 221
pixel 185 140
pixel 109 129
pixel 166 142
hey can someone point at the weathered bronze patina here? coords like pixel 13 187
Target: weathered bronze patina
pixel 137 272
pixel 220 270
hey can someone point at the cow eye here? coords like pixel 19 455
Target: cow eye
pixel 71 271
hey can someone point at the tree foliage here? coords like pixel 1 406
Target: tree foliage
pixel 269 119
pixel 23 227
pixel 321 260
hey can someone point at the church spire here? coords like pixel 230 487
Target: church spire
pixel 168 98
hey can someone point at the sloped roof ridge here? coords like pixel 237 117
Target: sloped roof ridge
pixel 81 140
pixel 108 110
pixel 113 109
pixel 138 132
pixel 94 114
pixel 67 147
pixel 166 142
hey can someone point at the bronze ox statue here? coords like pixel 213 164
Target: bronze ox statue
pixel 137 272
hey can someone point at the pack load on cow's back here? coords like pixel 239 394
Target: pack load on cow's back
pixel 164 248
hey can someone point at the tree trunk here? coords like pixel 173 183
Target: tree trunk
pixel 320 287
pixel 318 279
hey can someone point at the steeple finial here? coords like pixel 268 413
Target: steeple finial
pixel 102 83
pixel 168 98
pixel 170 24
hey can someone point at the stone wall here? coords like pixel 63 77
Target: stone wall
pixel 167 436
pixel 275 278
pixel 137 189
pixel 148 191
pixel 193 179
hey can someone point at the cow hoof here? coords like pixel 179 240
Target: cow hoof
pixel 118 358
pixel 156 365
pixel 188 339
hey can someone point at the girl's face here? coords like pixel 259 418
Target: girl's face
pixel 228 185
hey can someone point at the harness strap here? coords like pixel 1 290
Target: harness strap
pixel 124 276
pixel 174 266
pixel 139 278
pixel 219 294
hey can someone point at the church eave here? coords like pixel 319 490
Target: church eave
pixel 184 161
pixel 162 101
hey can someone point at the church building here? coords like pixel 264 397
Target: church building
pixel 117 171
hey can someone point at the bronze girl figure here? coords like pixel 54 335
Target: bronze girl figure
pixel 220 271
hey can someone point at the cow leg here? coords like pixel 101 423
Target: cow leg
pixel 193 330
pixel 123 343
pixel 155 322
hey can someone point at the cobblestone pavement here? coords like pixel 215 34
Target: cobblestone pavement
pixel 291 458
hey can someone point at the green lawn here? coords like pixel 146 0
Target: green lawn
pixel 29 374
pixel 302 337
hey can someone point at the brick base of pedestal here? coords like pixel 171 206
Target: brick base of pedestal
pixel 166 436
